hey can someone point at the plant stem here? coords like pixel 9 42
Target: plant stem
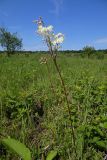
pixel 50 79
pixel 65 93
pixel 53 56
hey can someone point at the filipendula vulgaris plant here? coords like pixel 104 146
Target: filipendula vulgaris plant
pixel 53 42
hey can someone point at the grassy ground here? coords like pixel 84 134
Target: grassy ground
pixel 36 114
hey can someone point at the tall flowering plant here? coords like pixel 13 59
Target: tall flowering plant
pixel 53 42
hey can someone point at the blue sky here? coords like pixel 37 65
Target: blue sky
pixel 83 22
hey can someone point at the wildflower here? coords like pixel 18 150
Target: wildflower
pixel 58 38
pixel 52 40
pixel 45 31
pixel 43 60
pixel 39 22
pixel 50 28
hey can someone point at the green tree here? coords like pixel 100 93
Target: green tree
pixel 10 41
pixel 88 50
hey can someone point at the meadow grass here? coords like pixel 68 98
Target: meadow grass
pixel 36 115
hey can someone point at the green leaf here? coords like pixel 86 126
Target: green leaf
pixel 95 139
pixel 18 148
pixel 102 144
pixel 104 125
pixel 52 154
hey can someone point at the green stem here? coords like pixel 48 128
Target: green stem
pixel 48 41
pixel 50 79
pixel 65 93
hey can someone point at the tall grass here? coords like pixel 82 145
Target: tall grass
pixel 34 114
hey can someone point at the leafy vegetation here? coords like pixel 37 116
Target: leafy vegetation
pixel 10 42
pixel 17 147
pixel 22 150
pixel 34 112
pixel 88 50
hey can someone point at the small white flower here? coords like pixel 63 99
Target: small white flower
pixel 59 35
pixel 50 28
pixel 58 38
pixel 45 30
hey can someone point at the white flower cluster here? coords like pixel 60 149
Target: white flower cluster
pixel 52 40
pixel 45 31
pixel 56 40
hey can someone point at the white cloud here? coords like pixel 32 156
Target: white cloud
pixel 101 41
pixel 57 7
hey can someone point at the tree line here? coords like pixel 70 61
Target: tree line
pixel 11 43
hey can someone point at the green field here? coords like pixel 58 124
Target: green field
pixel 36 114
